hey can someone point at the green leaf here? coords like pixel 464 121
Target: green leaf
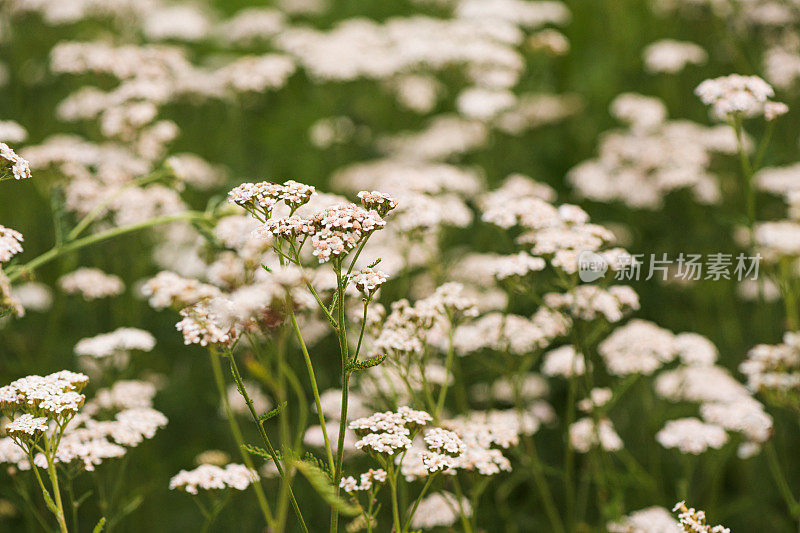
pixel 313 459
pixel 318 479
pixel 261 452
pixel 99 527
pixel 354 366
pixel 83 498
pixel 60 226
pixel 266 416
pixel 375 263
pixel 131 506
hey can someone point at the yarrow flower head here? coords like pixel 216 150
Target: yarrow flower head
pixel 735 95
pixel 368 480
pixel 377 201
pixel 202 325
pixel 12 166
pixel 10 243
pixel 212 477
pixel 389 432
pixel 368 281
pixel 691 436
pixel 694 521
pixel 262 197
pixel 27 426
pixel 44 395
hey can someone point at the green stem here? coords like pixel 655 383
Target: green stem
pixel 395 505
pixel 237 436
pixel 343 348
pixel 417 502
pixel 312 378
pixel 780 479
pixel 569 458
pixel 448 365
pixel 58 251
pixel 100 209
pixel 789 296
pixel 237 376
pixel 465 522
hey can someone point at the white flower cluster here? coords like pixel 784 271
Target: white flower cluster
pixel 670 56
pixel 777 239
pixel 585 434
pixel 91 283
pixel 10 243
pixel 590 302
pixel 649 520
pixel 122 395
pixel 691 436
pixel 389 432
pixel 200 324
pixel 774 368
pixel 48 396
pixel 263 196
pixel 335 230
pixel 90 442
pixel 377 201
pixel 212 477
pixel 119 341
pixel 11 131
pixel 12 165
pixel 440 509
pixel 484 269
pixel 169 289
pixel 27 426
pixel 565 362
pixel 640 165
pixel 736 95
pixel 638 347
pixel 694 521
pixel 367 281
pixel 512 333
pixel 368 479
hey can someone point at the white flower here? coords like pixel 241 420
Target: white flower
pixel 735 94
pixel 12 165
pixel 691 436
pixel 10 243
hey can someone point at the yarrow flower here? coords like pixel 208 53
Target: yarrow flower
pixel 91 283
pixel 212 477
pixel 389 432
pixel 10 243
pixel 735 95
pixel 119 341
pixel 12 166
pixel 27 426
pixel 691 436
pixel 377 201
pixel 368 479
pixel 262 197
pixel 201 325
pixel 368 281
pixel 694 521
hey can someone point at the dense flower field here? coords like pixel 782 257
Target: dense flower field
pixel 426 265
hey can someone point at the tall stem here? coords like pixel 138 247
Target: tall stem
pixel 343 348
pixel 569 458
pixel 448 365
pixel 395 505
pixel 59 250
pixel 312 378
pixel 237 436
pixel 240 383
pixel 418 500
